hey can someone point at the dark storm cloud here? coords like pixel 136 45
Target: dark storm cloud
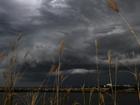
pixel 77 22
pixel 12 16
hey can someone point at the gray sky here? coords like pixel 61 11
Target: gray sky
pixel 44 23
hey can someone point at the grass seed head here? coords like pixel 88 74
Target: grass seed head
pixel 2 56
pixel 109 57
pixel 54 68
pixel 113 5
pixel 97 44
pixel 61 47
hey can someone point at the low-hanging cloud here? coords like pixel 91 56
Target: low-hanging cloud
pixel 78 23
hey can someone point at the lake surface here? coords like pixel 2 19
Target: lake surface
pixel 78 80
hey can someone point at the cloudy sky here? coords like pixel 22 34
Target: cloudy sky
pixel 45 23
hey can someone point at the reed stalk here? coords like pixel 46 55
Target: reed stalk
pixel 110 74
pixel 10 76
pixel 90 96
pixel 100 97
pixel 115 91
pixel 97 64
pixel 114 6
pixel 102 100
pixel 61 50
pixel 136 74
pixel 109 71
pixel 83 93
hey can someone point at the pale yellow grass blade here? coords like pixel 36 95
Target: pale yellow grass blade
pixel 113 5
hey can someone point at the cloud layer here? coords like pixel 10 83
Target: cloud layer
pixel 46 22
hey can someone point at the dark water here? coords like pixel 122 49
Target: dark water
pixel 70 99
pixel 76 80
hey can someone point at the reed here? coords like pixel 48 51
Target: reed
pixel 115 90
pixel 114 6
pixel 100 97
pixel 83 93
pixel 102 100
pixel 2 56
pixel 11 77
pixel 138 86
pixel 110 75
pixel 61 50
pixel 109 71
pixel 136 75
pixel 90 96
pixel 34 98
pixel 97 63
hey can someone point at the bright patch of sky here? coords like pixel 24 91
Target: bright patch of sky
pixel 34 3
pixel 59 4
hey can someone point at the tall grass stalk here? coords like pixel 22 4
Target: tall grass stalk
pixel 61 50
pixel 97 64
pixel 83 93
pixel 114 6
pixel 90 96
pixel 100 96
pixel 34 99
pixel 136 74
pixel 109 72
pixel 11 77
pixel 115 91
pixel 131 29
pixel 138 86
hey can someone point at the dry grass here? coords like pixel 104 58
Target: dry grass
pixel 115 90
pixel 11 78
pixel 113 5
pixel 100 95
pixel 136 75
pixel 61 47
pixel 2 56
pixel 102 100
pixel 97 63
pixel 61 50
pixel 138 85
pixel 109 71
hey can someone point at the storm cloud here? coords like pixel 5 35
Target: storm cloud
pixel 45 23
